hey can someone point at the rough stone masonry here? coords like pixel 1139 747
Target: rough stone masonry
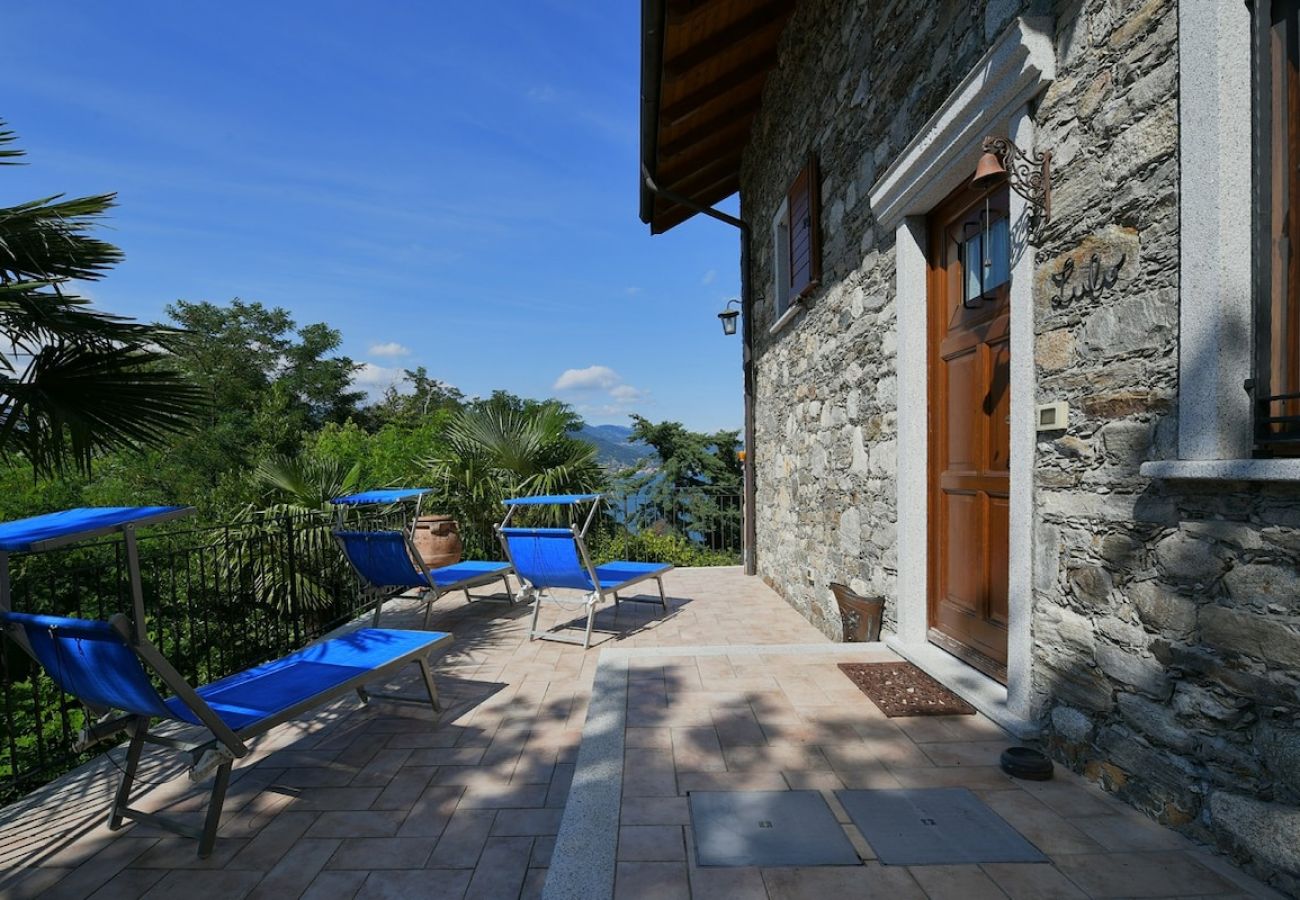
pixel 1166 624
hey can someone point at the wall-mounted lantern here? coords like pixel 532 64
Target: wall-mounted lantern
pixel 1029 176
pixel 729 316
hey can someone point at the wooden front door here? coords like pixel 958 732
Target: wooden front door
pixel 969 426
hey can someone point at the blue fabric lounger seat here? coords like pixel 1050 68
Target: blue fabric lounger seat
pixel 266 691
pixel 386 563
pixel 549 558
pixel 103 664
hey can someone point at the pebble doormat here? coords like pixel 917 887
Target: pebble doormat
pixel 901 689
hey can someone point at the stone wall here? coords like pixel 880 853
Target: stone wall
pixel 1166 616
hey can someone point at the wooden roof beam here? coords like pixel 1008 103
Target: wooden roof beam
pixel 673 214
pixel 756 20
pixel 689 183
pixel 684 9
pixel 741 113
pixel 750 70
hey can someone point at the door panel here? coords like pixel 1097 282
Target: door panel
pixel 970 434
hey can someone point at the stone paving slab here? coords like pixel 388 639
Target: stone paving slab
pixel 775 740
pixel 730 682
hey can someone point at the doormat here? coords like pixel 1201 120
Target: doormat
pixel 935 826
pixel 767 828
pixel 901 689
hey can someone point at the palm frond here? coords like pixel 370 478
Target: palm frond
pixel 49 240
pixel 8 154
pixel 75 400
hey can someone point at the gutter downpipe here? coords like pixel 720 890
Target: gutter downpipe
pixel 747 338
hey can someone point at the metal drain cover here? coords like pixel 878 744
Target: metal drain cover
pixel 767 828
pixel 935 826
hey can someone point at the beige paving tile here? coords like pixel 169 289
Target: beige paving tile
pixel 648 737
pixel 775 758
pixel 965 753
pixel 128 884
pixel 1032 881
pixel 730 781
pixel 355 823
pixel 501 869
pixel 956 883
pixel 334 886
pixel 820 882
pixel 431 811
pixel 381 853
pixel 648 772
pixel 977 778
pixel 1127 831
pixel 503 796
pixel 1049 832
pixel 696 749
pixel 204 885
pixel 655 811
pixel 294 871
pixel 1163 874
pixel 651 843
pixel 463 839
pixel 399 884
pixel 34 882
pixel 651 881
pixel 526 822
pixel 273 841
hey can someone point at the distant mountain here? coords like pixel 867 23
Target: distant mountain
pixel 612 446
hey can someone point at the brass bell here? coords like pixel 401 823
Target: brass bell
pixel 988 171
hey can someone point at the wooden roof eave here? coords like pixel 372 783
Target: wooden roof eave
pixel 652 46
pixel 699 116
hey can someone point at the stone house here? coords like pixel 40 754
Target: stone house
pixel 1045 425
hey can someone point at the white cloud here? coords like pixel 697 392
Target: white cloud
pixel 374 380
pixel 632 291
pixel 591 378
pixel 626 392
pixel 709 277
pixel 602 390
pixel 392 348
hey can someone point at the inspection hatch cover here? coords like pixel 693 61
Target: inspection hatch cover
pixel 767 828
pixel 934 826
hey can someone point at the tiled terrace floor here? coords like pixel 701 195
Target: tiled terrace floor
pixel 383 801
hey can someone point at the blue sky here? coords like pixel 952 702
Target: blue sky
pixel 450 185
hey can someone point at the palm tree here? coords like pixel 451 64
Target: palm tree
pixel 74 381
pixel 497 451
pixel 298 570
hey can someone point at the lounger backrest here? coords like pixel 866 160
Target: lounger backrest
pixel 91 661
pixel 547 557
pixel 381 558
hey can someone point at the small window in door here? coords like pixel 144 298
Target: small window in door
pixel 985 256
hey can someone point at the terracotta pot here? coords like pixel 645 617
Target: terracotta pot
pixel 437 538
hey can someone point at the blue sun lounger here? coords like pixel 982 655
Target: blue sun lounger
pixel 103 664
pixel 387 571
pixel 386 563
pixel 549 558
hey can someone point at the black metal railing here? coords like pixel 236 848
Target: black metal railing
pixel 218 599
pixel 692 527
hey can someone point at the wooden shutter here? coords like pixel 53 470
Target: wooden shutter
pixel 804 203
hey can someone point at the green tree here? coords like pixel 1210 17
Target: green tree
pixel 690 459
pixel 425 397
pixel 75 382
pixel 695 490
pixel 268 383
